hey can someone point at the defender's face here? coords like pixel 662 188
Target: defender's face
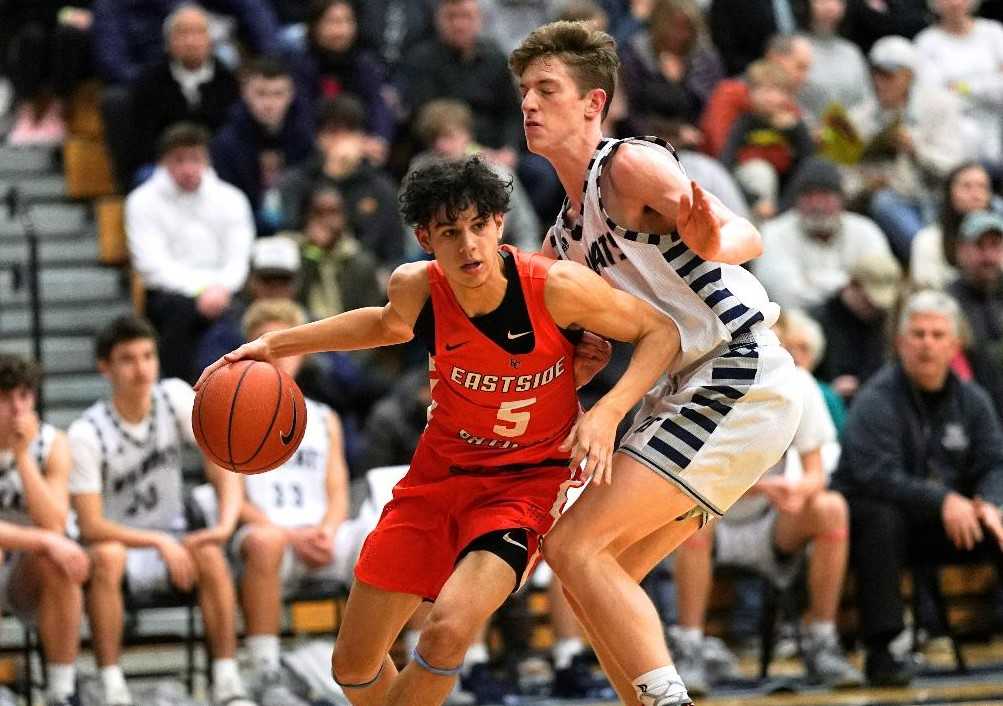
pixel 132 367
pixel 465 248
pixel 552 105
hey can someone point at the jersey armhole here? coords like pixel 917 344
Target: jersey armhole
pixel 424 326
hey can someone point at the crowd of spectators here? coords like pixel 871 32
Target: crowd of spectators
pixel 259 145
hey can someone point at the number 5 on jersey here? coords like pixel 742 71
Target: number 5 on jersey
pixel 519 421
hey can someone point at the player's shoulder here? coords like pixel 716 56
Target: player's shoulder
pixel 410 278
pixel 636 163
pixel 82 428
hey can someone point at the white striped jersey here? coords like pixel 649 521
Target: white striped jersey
pixel 295 493
pixel 710 302
pixel 12 502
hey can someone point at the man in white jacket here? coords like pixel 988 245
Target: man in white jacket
pixel 190 238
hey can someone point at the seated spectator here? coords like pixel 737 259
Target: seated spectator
pixel 269 131
pixel 922 470
pixel 43 570
pixel 770 530
pixel 390 27
pixel 189 237
pixel 933 261
pixel 964 54
pixel 274 274
pixel 338 274
pixel 333 62
pixel 445 128
pixel 867 21
pixel 46 55
pixel 741 29
pixel 507 23
pixel 730 98
pixel 464 64
pixel 839 72
pixel 127 34
pixel 910 138
pixel 979 288
pixel 809 249
pixel 670 68
pixel 767 142
pixel 340 161
pixel 855 320
pixel 189 84
pixel 805 340
pixel 127 491
pixel 291 521
pixel 397 420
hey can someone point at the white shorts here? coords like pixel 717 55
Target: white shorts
pixel 716 427
pixel 146 572
pixel 749 544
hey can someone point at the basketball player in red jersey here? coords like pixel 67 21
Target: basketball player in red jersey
pixel 491 471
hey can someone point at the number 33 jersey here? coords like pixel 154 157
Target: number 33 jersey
pixel 502 384
pixel 295 493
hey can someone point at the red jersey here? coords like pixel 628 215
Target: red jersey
pixel 503 388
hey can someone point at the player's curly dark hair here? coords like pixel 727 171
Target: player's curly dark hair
pixel 449 187
pixel 17 372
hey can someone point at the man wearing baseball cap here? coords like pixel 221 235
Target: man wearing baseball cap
pixel 979 289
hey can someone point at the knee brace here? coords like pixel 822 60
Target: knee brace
pixel 363 685
pixel 437 671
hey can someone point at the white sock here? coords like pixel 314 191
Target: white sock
pixel 62 681
pixel 116 691
pixel 409 638
pixel 264 651
pixel 477 653
pixel 652 685
pixel 226 679
pixel 565 649
pixel 822 630
pixel 690 634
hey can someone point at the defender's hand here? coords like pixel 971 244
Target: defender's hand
pixel 591 440
pixel 697 224
pixel 592 354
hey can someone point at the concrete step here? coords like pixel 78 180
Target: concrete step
pixel 77 248
pixel 77 389
pixel 81 318
pixel 43 187
pixel 66 285
pixel 51 220
pixel 21 161
pixel 60 354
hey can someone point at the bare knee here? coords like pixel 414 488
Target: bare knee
pixel 566 554
pixel 350 665
pixel 445 639
pixel 829 511
pixel 107 563
pixel 210 563
pixel 263 547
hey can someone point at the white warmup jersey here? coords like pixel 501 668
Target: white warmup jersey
pixel 726 411
pixel 12 503
pixel 135 467
pixel 711 303
pixel 295 493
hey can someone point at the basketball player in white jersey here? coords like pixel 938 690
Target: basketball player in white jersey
pixel 725 412
pixel 41 571
pixel 291 517
pixel 127 490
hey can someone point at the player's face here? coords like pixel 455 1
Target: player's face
pixel 132 367
pixel 466 248
pixel 552 104
pixel 926 349
pixel 291 364
pixel 13 404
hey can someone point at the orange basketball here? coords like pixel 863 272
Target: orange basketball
pixel 249 417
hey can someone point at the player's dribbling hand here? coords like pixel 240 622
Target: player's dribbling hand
pixel 698 225
pixel 592 354
pixel 591 440
pixel 180 566
pixel 252 350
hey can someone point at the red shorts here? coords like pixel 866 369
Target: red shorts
pixel 435 514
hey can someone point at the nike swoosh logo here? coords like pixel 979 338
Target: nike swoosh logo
pixel 454 346
pixel 287 437
pixel 506 538
pixel 513 336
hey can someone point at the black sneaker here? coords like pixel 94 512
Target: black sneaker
pixel 582 680
pixel 885 669
pixel 485 685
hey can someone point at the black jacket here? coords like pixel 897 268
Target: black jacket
pixel 854 346
pixel 906 448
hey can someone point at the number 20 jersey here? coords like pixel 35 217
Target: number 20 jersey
pixel 491 407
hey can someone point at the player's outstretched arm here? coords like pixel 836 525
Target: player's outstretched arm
pixel 577 297
pixel 707 226
pixel 359 329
